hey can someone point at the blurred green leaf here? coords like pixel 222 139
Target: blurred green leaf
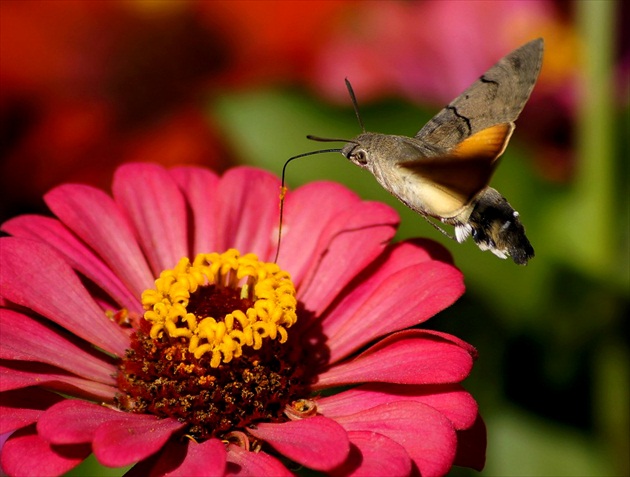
pixel 522 445
pixel 91 467
pixel 587 216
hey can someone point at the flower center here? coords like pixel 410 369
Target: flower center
pixel 211 348
pixel 266 308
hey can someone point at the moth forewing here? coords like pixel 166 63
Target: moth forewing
pixel 497 97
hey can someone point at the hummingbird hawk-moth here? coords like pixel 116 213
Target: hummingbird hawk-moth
pixel 444 170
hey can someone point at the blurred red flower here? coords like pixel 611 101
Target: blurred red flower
pixel 89 85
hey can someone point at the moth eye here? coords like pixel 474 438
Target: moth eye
pixel 360 157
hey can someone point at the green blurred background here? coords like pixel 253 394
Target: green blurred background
pixel 85 88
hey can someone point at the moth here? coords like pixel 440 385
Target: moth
pixel 443 171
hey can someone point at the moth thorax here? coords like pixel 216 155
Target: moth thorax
pixel 496 227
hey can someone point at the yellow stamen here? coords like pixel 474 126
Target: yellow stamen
pixel 265 284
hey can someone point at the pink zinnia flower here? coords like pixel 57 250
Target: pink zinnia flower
pixel 217 364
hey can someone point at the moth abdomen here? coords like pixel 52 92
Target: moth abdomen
pixel 496 227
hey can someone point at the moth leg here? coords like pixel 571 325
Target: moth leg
pixel 437 227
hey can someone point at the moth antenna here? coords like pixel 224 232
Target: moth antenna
pixel 355 105
pixel 283 192
pixel 326 139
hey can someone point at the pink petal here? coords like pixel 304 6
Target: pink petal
pixel 471 446
pixel 18 375
pixel 26 454
pixel 200 186
pixel 408 357
pixel 248 211
pixel 318 443
pixel 398 301
pixel 351 241
pixel 374 454
pixel 3 439
pixel 253 464
pixel 472 351
pixel 449 399
pixel 427 436
pixel 187 459
pixel 26 339
pixel 118 438
pixel 29 268
pixel 73 421
pixel 307 212
pixel 80 257
pixel 98 221
pixel 396 257
pixel 23 407
pixel 123 442
pixel 430 249
pixel 150 198
pixel 206 459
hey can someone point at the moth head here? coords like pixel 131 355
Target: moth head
pixel 355 152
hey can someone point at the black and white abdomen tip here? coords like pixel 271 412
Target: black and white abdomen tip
pixel 495 226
